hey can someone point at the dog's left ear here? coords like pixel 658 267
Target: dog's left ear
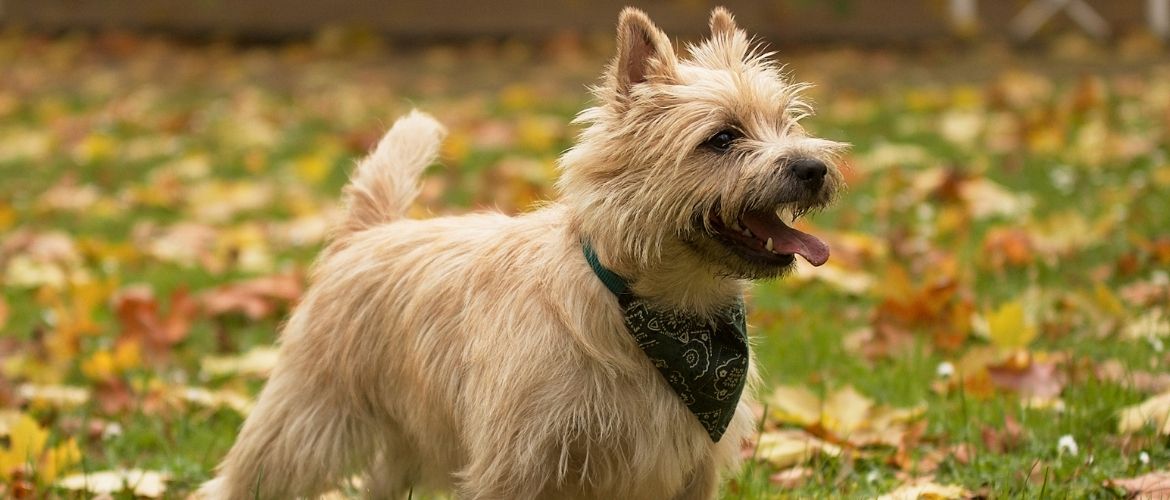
pixel 643 52
pixel 722 23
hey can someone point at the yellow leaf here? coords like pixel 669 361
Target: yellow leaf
pixel 789 447
pixel 1154 411
pixel 59 459
pixel 94 147
pixel 845 411
pixel 127 355
pixel 457 147
pixel 7 216
pixel 537 133
pixel 1007 326
pixel 26 441
pixel 99 366
pixel 1108 302
pixel 518 97
pixel 796 405
pixel 313 167
pixel 925 490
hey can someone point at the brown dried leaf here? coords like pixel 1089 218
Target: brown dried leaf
pixel 1153 485
pixel 257 298
pixel 142 320
pixel 1115 371
pixel 1146 293
pixel 792 477
pixel 1031 379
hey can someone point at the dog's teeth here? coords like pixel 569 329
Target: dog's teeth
pixel 747 233
pixel 735 225
pixel 768 246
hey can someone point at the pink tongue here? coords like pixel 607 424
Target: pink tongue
pixel 786 239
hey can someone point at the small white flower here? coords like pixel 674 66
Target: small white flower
pixel 111 431
pixel 1144 458
pixel 873 476
pixel 1063 178
pixel 1160 278
pixel 1066 444
pixel 945 370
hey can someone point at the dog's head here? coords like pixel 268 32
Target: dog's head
pixel 703 153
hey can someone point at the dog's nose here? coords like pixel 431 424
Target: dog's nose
pixel 809 171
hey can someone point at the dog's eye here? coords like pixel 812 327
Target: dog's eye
pixel 722 141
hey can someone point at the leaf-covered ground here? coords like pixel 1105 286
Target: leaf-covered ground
pixel 993 320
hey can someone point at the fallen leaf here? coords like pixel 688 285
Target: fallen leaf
pixel 792 477
pixel 1008 247
pixel 144 322
pixel 257 298
pixel 1154 411
pixel 258 361
pixel 1115 371
pixel 53 396
pixel 1007 327
pixel 796 405
pixel 143 483
pixel 1153 325
pixel 845 417
pixel 1152 485
pixel 786 448
pixel 1028 377
pixel 1146 293
pixel 216 399
pixel 845 411
pixel 27 443
pixel 926 489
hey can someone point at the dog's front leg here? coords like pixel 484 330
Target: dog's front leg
pixel 702 484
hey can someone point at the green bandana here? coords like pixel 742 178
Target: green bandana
pixel 704 361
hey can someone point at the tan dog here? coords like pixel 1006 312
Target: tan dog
pixel 481 353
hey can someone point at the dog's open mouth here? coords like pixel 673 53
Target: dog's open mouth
pixel 763 235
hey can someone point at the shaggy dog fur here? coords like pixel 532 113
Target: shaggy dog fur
pixel 480 353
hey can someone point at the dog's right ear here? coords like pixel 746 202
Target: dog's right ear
pixel 643 52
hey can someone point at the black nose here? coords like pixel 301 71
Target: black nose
pixel 809 171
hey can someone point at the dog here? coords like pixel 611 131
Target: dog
pixel 508 357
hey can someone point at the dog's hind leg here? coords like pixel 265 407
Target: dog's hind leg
pixel 703 483
pixel 297 442
pixel 391 474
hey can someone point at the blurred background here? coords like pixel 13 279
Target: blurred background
pixel 992 322
pixel 781 21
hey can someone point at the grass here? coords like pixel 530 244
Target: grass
pixel 121 115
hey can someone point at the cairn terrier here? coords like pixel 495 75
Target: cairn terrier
pixel 514 357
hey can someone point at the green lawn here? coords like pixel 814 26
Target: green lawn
pixel 151 189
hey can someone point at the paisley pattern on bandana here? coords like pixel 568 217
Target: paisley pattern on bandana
pixel 704 361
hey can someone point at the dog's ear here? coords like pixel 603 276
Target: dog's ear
pixel 643 51
pixel 722 23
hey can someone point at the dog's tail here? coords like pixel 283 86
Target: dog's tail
pixel 386 182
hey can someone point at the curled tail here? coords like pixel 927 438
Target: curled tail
pixel 386 182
